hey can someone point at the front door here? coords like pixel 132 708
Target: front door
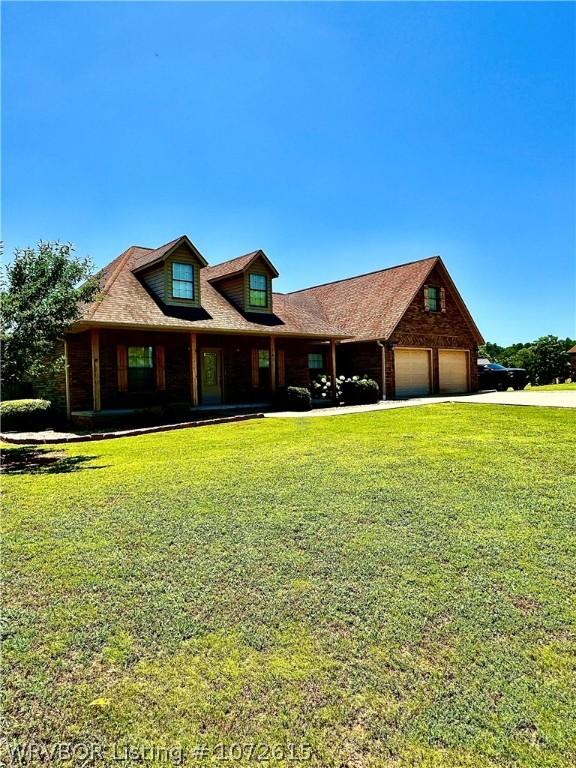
pixel 211 376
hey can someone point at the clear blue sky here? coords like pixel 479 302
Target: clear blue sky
pixel 340 138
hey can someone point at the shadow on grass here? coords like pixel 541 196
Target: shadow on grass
pixel 34 461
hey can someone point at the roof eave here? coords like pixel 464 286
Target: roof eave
pixel 86 324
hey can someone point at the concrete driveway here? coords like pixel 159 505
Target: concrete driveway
pixel 560 399
pixel 566 399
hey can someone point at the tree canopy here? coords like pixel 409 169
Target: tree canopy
pixel 545 359
pixel 42 291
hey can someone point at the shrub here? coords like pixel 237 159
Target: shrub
pixel 359 391
pixel 24 414
pixel 296 399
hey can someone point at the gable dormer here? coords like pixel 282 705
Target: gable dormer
pixel 247 282
pixel 172 272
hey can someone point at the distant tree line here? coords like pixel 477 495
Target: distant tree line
pixel 545 359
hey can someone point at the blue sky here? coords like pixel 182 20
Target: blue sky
pixel 340 138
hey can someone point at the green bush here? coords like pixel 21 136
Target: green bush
pixel 296 399
pixel 24 414
pixel 356 391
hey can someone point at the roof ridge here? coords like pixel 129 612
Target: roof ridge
pixel 363 274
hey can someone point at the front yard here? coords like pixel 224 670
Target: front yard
pixel 386 589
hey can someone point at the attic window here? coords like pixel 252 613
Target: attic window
pixel 258 290
pixel 182 281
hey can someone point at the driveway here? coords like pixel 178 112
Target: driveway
pixel 560 399
pixel 565 399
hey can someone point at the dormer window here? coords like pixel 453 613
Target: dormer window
pixel 182 281
pixel 258 294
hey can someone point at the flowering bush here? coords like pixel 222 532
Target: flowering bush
pixel 323 389
pixel 352 390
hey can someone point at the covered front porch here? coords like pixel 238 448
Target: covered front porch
pixel 115 370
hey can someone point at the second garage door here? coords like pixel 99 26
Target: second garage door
pixel 412 369
pixel 453 371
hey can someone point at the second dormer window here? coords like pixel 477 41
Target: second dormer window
pixel 182 281
pixel 258 290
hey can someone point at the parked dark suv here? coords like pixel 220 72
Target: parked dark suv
pixel 495 376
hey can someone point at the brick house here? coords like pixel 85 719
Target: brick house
pixel 168 328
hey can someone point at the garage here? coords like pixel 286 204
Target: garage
pixel 453 371
pixel 412 369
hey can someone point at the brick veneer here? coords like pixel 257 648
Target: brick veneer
pixel 237 358
pixel 417 328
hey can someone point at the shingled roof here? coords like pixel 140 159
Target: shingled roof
pixel 124 300
pixel 152 255
pixel 369 307
pixel 363 308
pixel 237 265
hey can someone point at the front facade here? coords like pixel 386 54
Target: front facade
pixel 167 329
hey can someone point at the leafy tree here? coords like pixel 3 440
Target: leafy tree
pixel 545 359
pixel 41 292
pixel 491 351
pixel 549 360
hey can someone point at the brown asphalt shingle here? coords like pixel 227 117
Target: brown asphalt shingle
pixel 365 307
pixel 370 306
pixel 126 301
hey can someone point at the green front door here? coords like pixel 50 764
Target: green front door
pixel 211 376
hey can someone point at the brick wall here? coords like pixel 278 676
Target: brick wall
pixel 237 367
pixel 176 351
pixel 80 371
pixel 417 328
pixel 359 359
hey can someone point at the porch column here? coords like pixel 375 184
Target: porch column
pixel 332 363
pixel 193 370
pixel 95 349
pixel 67 379
pixel 272 364
pixel 382 345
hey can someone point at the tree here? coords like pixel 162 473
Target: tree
pixel 490 351
pixel 544 359
pixel 549 360
pixel 41 293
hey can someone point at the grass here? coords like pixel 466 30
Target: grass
pixel 391 589
pixel 553 387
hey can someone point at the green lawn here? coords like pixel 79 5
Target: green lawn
pixel 552 387
pixel 392 589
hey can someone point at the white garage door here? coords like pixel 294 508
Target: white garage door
pixel 412 368
pixel 453 371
